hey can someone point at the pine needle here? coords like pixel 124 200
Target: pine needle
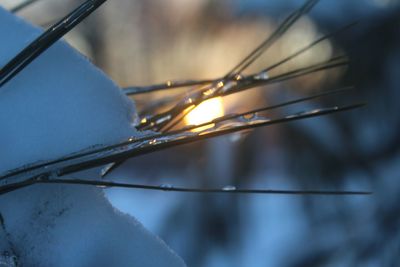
pixel 149 144
pixel 22 6
pixel 168 188
pixel 47 39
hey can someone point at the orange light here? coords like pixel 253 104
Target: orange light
pixel 205 112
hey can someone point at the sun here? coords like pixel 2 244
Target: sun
pixel 206 111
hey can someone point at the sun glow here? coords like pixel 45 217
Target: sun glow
pixel 206 111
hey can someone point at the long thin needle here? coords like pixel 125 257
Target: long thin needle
pixel 149 144
pixel 283 27
pixel 47 39
pixel 224 190
pixel 22 5
pixel 135 90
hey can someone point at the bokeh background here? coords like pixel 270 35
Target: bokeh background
pixel 142 42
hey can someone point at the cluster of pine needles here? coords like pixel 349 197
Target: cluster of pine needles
pixel 165 126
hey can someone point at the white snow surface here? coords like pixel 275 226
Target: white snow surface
pixel 57 105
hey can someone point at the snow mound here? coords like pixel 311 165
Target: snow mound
pixel 58 105
pixel 63 226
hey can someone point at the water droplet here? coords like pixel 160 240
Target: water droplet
pixel 238 77
pixel 262 76
pixel 163 119
pixel 166 186
pixel 153 142
pixel 229 188
pixel 249 117
pixel 253 118
pixel 228 86
pixel 209 92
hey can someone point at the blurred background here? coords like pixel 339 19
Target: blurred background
pixel 143 42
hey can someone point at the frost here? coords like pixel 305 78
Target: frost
pixel 58 105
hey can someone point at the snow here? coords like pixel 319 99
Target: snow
pixel 57 105
pixel 59 98
pixel 62 226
